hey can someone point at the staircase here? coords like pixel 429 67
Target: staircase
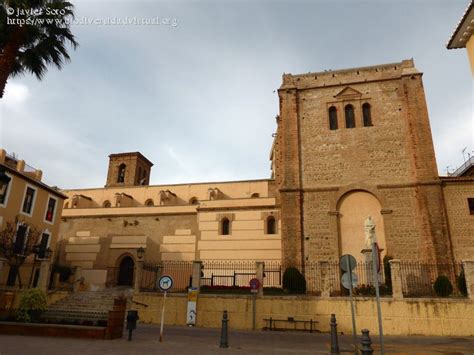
pixel 86 307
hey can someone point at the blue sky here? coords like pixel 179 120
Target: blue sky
pixel 198 98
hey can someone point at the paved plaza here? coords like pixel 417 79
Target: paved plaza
pixel 182 340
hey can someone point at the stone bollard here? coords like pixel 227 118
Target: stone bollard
pixel 196 274
pixel 224 338
pixel 468 267
pixel 334 340
pixel 366 348
pixel 397 288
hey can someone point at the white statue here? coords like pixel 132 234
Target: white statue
pixel 369 230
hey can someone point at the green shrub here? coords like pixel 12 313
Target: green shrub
pixel 461 283
pixel 443 286
pixel 294 281
pixel 32 303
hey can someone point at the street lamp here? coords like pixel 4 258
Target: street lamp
pixel 4 180
pixel 140 252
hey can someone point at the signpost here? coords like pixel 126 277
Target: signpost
pixel 375 269
pixel 165 283
pixel 348 263
pixel 254 287
pixel 372 247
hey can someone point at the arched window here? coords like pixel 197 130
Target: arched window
pixel 193 201
pixel 225 226
pixel 106 204
pixel 149 202
pixel 255 195
pixel 366 115
pixel 332 118
pixel 271 225
pixel 121 173
pixel 350 118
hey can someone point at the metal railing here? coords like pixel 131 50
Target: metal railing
pixel 29 169
pixel 227 273
pixel 463 167
pixel 417 277
pixel 180 271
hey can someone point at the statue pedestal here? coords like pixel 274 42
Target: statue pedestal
pixel 368 267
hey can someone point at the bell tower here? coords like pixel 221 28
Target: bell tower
pixel 128 169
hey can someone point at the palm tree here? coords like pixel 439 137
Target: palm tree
pixel 29 43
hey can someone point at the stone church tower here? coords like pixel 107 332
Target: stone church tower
pixel 128 169
pixel 352 143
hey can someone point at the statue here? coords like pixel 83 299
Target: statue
pixel 369 227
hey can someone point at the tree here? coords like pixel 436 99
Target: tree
pixel 16 247
pixel 31 41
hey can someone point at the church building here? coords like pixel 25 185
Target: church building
pixel 350 144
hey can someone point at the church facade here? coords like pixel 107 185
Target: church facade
pixel 349 144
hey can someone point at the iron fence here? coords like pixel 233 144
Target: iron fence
pixel 272 274
pixel 227 273
pixel 180 271
pixel 321 275
pixel 418 278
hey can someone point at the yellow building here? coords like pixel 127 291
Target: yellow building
pixel 33 210
pixel 103 228
pixel 463 36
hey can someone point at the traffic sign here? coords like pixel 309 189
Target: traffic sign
pixel 254 285
pixel 165 283
pixel 347 258
pixel 345 280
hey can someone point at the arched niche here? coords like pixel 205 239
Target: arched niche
pixel 354 207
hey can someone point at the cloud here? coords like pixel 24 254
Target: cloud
pixel 197 99
pixel 15 96
pixel 454 135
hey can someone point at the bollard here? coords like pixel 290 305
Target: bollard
pixel 334 341
pixel 224 339
pixel 132 318
pixel 366 343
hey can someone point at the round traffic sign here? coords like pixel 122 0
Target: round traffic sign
pixel 254 284
pixel 165 283
pixel 345 260
pixel 345 280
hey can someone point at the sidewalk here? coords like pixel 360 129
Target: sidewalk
pixel 183 340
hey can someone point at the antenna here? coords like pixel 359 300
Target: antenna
pixel 463 155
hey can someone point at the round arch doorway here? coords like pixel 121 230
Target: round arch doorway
pixel 126 271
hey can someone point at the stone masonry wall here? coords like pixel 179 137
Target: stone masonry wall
pixel 393 159
pixel 461 222
pixel 153 227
